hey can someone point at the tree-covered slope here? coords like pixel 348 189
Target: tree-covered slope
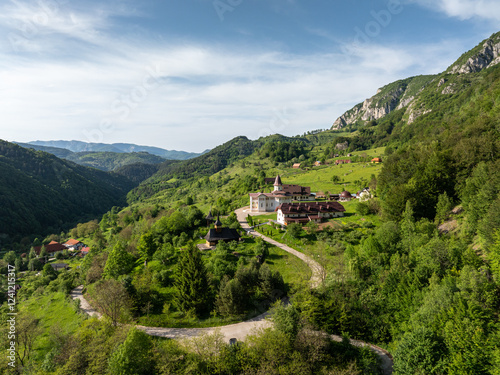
pixel 172 174
pixel 110 161
pixel 41 193
pixel 103 160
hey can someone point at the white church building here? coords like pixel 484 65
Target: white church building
pixel 282 193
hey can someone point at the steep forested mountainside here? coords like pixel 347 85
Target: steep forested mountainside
pixel 103 160
pixel 172 173
pixel 41 193
pixel 137 172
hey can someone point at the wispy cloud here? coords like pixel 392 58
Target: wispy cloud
pixel 185 96
pixel 465 9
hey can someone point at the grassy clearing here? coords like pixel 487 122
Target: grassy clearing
pixel 56 314
pixel 352 177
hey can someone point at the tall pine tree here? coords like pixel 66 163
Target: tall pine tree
pixel 193 291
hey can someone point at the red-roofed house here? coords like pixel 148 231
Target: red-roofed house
pixel 73 244
pixel 84 251
pixel 303 212
pixel 52 248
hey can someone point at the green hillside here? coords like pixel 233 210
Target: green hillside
pixel 111 161
pixel 41 193
pixel 103 160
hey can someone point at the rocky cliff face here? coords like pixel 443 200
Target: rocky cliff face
pixel 396 95
pixel 405 93
pixel 486 57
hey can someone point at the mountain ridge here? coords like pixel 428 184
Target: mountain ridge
pixel 79 146
pixel 405 93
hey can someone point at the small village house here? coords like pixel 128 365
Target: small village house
pixel 345 196
pixel 341 161
pixel 72 244
pixel 85 250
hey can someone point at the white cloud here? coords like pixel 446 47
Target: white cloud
pixel 465 9
pixel 200 97
pixel 185 96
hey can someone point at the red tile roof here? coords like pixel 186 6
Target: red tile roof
pixel 71 242
pixel 297 189
pixel 310 208
pixel 52 247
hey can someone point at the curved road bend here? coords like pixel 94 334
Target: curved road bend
pixel 240 330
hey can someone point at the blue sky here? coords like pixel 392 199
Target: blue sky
pixel 192 74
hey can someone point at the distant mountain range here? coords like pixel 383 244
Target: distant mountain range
pixel 79 146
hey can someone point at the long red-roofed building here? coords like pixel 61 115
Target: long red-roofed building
pixel 303 212
pixel 52 248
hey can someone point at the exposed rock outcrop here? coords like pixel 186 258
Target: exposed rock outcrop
pixel 487 57
pixel 414 113
pixel 386 100
pixel 450 89
pixel 406 93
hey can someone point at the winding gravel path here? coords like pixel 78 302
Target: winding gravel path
pixel 239 331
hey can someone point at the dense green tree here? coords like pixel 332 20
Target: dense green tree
pixel 443 208
pixel 147 246
pixel 221 261
pixel 362 209
pixel 261 248
pixel 165 253
pixel 119 262
pixel 286 320
pixel 43 252
pixel 133 357
pixel 271 283
pixel 48 271
pixel 191 282
pixel 494 257
pixel 231 298
pixel 10 257
pixel 408 229
pixel 294 230
pixel 35 265
pixel 419 352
